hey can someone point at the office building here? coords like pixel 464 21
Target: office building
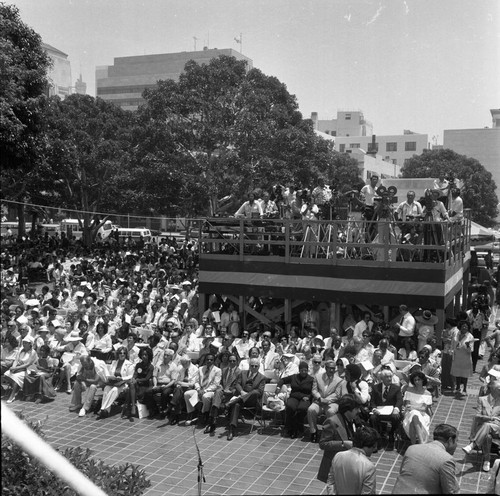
pixel 352 131
pixel 80 86
pixel 123 82
pixel 481 144
pixel 59 75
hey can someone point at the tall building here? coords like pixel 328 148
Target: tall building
pixel 80 86
pixel 60 73
pixel 352 131
pixel 123 82
pixel 481 144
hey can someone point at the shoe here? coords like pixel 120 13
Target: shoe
pixel 68 391
pixel 74 408
pixel 174 420
pixel 212 428
pixel 486 466
pixel 82 412
pixel 125 412
pixel 293 435
pixel 467 449
pixel 11 400
pixel 207 429
pixel 390 445
pixel 314 437
pixel 38 401
pixel 230 434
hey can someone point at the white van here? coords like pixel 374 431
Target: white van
pixel 72 228
pixel 134 232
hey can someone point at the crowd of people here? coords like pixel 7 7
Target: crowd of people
pixel 119 329
pixel 367 214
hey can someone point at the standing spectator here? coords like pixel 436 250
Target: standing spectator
pixel 430 468
pixel 461 365
pixel 478 323
pixel 352 470
pixel 406 324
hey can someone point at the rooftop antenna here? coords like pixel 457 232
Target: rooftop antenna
pixel 195 40
pixel 240 41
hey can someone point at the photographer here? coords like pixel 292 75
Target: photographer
pixel 456 211
pixel 309 212
pixel 368 194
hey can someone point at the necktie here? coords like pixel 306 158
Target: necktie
pixel 229 378
pixel 205 378
pixel 386 392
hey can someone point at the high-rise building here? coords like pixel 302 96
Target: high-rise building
pixel 80 86
pixel 59 75
pixel 123 82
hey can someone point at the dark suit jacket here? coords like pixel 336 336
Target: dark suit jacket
pixel 245 386
pixel 394 397
pixel 333 434
pixel 226 386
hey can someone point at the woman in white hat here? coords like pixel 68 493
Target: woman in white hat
pixel 71 359
pixel 16 374
pixel 425 327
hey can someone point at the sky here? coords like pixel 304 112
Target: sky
pixel 422 65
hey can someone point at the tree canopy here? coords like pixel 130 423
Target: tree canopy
pixel 88 141
pixel 478 192
pixel 228 130
pixel 23 81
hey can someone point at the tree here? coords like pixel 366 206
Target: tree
pixel 478 192
pixel 23 82
pixel 88 142
pixel 228 130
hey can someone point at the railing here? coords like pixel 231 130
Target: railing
pixel 301 241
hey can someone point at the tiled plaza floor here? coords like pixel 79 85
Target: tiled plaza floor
pixel 256 463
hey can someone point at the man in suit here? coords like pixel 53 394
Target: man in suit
pixel 386 394
pixel 326 392
pixel 227 389
pixel 206 383
pixel 486 425
pixel 430 468
pixel 249 390
pixel 268 357
pixel 352 470
pixel 338 431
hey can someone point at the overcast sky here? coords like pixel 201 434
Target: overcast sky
pixel 424 65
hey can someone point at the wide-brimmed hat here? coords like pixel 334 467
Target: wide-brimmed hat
pixel 33 302
pixel 186 283
pixel 426 317
pixel 28 339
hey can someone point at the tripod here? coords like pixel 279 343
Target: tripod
pixel 385 232
pixel 432 236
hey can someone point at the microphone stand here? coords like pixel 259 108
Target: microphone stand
pixel 201 475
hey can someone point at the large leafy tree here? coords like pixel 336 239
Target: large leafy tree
pixel 88 143
pixel 227 130
pixel 478 191
pixel 23 83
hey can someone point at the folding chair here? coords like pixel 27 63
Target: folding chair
pixel 269 391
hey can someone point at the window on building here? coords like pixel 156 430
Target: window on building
pixel 348 117
pixel 372 147
pixel 394 161
pixel 410 146
pixel 342 148
pixel 355 145
pixel 334 133
pixel 391 147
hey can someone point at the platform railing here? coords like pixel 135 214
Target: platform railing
pixel 354 239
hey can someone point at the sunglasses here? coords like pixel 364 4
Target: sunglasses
pixel 232 361
pixel 316 362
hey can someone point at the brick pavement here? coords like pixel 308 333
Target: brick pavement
pixel 256 463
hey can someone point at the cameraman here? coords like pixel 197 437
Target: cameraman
pixel 321 196
pixel 368 193
pixel 456 211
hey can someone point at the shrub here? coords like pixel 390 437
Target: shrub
pixel 23 475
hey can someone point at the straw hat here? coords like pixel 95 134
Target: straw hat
pixel 427 317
